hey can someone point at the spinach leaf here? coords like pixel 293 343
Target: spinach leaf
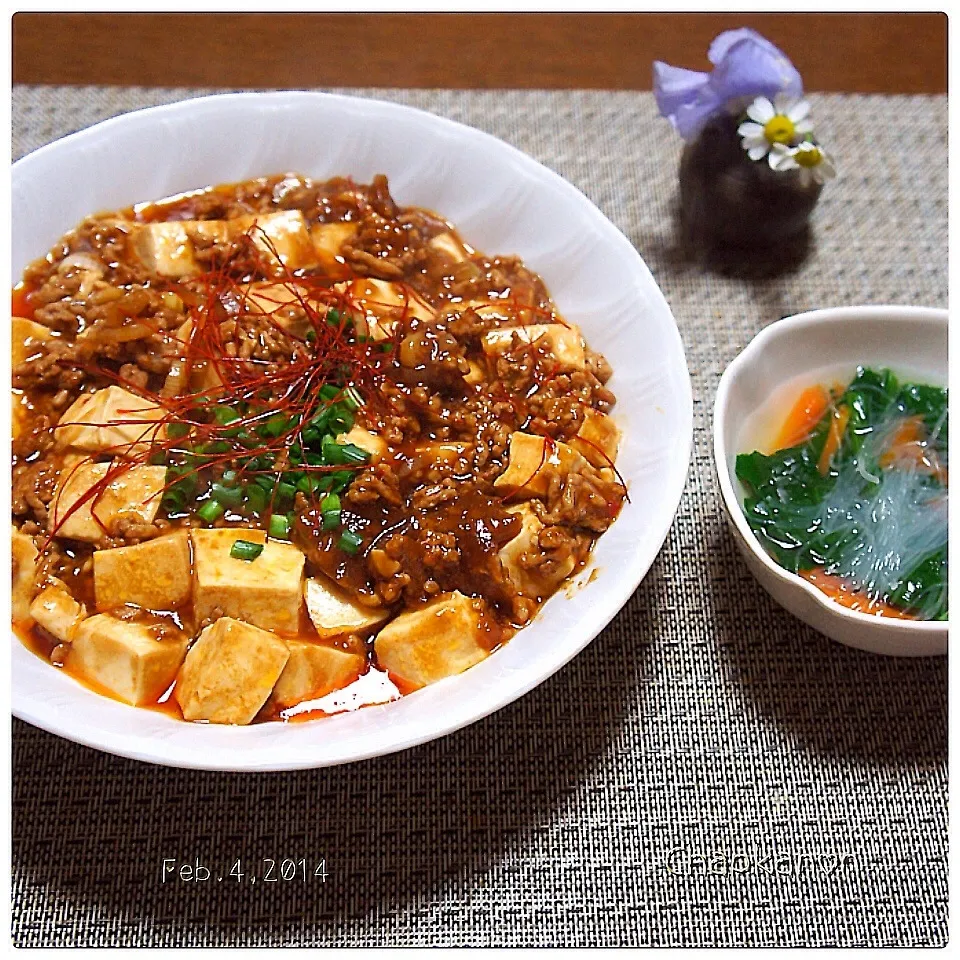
pixel 925 588
pixel 805 519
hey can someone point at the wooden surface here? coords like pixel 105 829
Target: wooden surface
pixel 866 53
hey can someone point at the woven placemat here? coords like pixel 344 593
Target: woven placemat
pixel 708 772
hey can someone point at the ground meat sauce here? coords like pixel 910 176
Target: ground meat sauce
pixel 408 407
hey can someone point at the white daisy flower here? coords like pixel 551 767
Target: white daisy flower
pixel 782 122
pixel 809 158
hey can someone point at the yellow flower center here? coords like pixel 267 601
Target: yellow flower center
pixel 779 129
pixel 809 158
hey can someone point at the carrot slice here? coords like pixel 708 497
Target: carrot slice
pixel 840 591
pixel 907 444
pixel 807 412
pixel 838 426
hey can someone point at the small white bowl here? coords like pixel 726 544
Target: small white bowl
pixel 812 347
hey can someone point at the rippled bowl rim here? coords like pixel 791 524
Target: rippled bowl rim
pixel 732 504
pixel 617 585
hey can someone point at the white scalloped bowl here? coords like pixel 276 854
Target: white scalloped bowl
pixel 503 202
pixel 806 349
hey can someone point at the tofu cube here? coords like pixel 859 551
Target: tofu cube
pixel 328 240
pixel 377 305
pixel 136 662
pixel 439 640
pixel 598 438
pixel 154 574
pixel 264 297
pixel 266 592
pixel 365 440
pixel 55 609
pixel 313 671
pixel 441 454
pixel 121 490
pixel 20 408
pixel 281 234
pixel 201 377
pixel 530 583
pixel 450 246
pixel 334 614
pixel 533 461
pixel 209 231
pixel 25 339
pixel 24 556
pixel 282 303
pixel 508 310
pixel 564 344
pixel 229 672
pixel 167 248
pixel 111 420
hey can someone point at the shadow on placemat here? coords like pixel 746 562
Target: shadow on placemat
pixel 886 713
pixel 680 253
pixel 93 831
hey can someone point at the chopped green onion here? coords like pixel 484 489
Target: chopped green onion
pixel 329 392
pixel 340 480
pixel 342 453
pixel 330 450
pixel 210 511
pixel 308 484
pixel 318 422
pixel 176 430
pixel 257 498
pixel 333 418
pixel 245 550
pixel 174 499
pixel 352 398
pixel 279 526
pixel 330 511
pixel 260 463
pixel 285 490
pixel 341 419
pixel 349 542
pixel 181 489
pixel 225 415
pixel 229 478
pixel 351 453
pixel 218 446
pixel 266 481
pixel 276 426
pixel 228 496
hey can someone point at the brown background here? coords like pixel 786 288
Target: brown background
pixel 857 53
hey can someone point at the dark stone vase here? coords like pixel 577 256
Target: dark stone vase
pixel 737 214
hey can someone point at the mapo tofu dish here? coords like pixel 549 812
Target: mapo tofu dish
pixel 276 438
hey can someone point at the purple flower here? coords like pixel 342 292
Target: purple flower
pixel 746 66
